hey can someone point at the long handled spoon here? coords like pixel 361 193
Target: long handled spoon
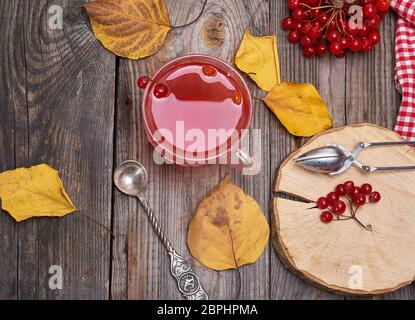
pixel 131 178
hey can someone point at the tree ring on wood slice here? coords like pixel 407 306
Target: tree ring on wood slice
pixel 342 256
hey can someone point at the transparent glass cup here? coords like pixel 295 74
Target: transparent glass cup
pixel 225 152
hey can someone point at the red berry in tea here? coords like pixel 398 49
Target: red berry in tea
pixel 237 98
pixel 161 91
pixel 209 71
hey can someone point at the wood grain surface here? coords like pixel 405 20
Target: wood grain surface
pixel 67 101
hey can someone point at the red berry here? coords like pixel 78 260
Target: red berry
pixel 326 217
pixel 209 71
pixel 355 45
pixel 306 41
pixel 374 37
pixel 364 30
pixel 339 207
pixel 309 51
pixel 366 189
pixel 306 28
pixel 287 23
pixel 294 36
pixel 332 25
pixel 341 190
pixel 237 98
pixel 323 19
pixel 369 11
pixel 375 197
pixel 336 49
pixel 297 25
pixel 321 49
pixel 359 199
pixel 348 185
pixel 352 31
pixel 298 14
pixel 366 45
pixel 332 197
pixel 344 42
pixel 142 82
pixel 333 36
pixel 322 203
pixel 315 32
pixel 315 13
pixel 383 5
pixel 161 91
pixel 374 22
pixel 294 4
pixel 353 192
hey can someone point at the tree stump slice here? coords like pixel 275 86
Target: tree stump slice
pixel 342 256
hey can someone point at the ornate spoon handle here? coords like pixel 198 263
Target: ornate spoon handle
pixel 181 269
pixel 187 280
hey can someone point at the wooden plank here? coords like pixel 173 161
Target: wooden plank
pixel 256 277
pixel 67 84
pixel 140 265
pixel 371 96
pixel 12 102
pixel 328 75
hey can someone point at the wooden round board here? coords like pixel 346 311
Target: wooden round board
pixel 342 256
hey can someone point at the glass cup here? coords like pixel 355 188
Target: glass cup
pixel 206 95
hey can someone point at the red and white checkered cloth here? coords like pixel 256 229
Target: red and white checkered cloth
pixel 405 66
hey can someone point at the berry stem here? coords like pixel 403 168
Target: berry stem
pixel 316 8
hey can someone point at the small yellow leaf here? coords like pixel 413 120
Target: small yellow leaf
pixel 229 229
pixel 34 192
pixel 300 108
pixel 132 29
pixel 258 57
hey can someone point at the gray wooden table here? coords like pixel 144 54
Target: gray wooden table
pixel 66 101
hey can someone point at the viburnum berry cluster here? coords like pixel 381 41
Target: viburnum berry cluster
pixel 323 26
pixel 335 207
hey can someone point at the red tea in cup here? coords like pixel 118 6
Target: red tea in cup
pixel 200 113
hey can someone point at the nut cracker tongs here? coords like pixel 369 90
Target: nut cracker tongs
pixel 335 159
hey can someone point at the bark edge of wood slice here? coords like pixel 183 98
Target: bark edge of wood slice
pixel 343 257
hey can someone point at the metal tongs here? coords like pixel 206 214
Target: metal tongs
pixel 335 159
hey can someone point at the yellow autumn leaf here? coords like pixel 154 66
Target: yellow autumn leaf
pixel 34 192
pixel 300 108
pixel 258 57
pixel 229 229
pixel 132 29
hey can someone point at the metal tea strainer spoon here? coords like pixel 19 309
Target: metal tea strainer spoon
pixel 334 159
pixel 131 178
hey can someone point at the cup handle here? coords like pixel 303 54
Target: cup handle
pixel 249 165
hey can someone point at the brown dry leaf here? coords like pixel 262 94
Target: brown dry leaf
pixel 34 192
pixel 132 29
pixel 300 108
pixel 258 57
pixel 229 229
